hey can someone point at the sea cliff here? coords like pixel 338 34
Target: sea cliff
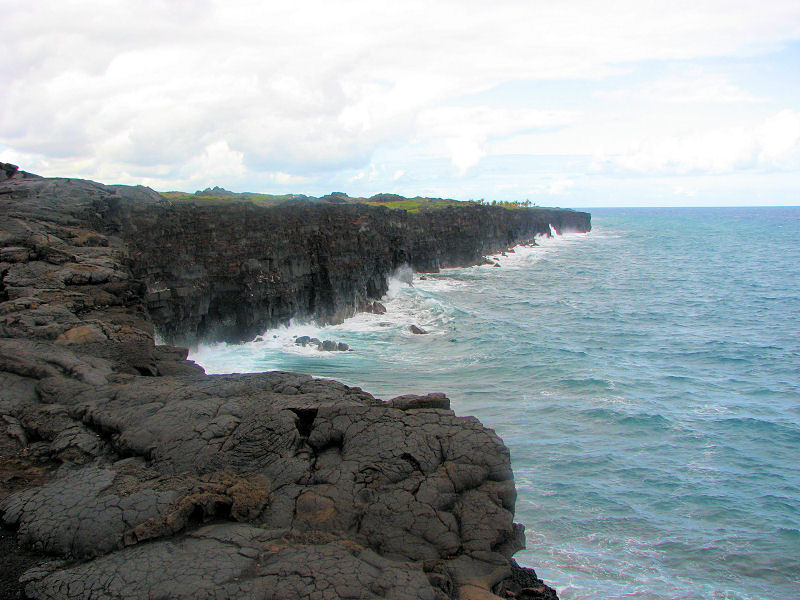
pixel 229 274
pixel 129 473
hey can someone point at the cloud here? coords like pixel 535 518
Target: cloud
pixel 218 158
pixel 694 87
pixel 465 131
pixel 559 186
pixel 779 140
pixel 157 88
pixel 774 144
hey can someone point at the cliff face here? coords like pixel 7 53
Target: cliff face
pixel 229 274
pixel 143 477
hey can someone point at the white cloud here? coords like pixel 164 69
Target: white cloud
pixel 559 186
pixel 779 140
pixel 156 88
pixel 772 144
pixel 216 159
pixel 685 191
pixel 287 179
pixel 694 87
pixel 465 131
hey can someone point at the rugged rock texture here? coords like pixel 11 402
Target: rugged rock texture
pixel 130 474
pixel 9 171
pixel 229 275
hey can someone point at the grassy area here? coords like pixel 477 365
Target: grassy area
pixel 412 204
pixel 211 199
pixel 393 201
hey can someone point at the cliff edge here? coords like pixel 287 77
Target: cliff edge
pixel 215 273
pixel 129 473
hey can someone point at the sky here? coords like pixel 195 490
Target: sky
pixel 573 103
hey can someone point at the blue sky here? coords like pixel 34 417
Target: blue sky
pixel 565 104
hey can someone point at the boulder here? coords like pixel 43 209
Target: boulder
pixel 303 340
pixel 7 170
pixel 417 330
pixel 412 401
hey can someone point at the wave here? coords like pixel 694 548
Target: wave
pixel 629 381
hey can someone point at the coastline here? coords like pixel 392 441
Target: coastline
pixel 102 419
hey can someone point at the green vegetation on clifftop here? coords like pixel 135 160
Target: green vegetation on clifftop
pixel 216 196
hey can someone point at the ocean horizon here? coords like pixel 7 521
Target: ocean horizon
pixel 645 377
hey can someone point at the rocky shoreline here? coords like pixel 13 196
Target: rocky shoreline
pixel 127 472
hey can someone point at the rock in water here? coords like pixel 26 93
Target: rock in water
pixel 328 346
pixel 417 330
pixel 151 479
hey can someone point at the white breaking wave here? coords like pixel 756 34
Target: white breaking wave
pixel 409 300
pixel 407 303
pixel 403 276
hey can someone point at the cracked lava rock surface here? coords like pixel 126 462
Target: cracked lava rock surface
pixel 126 472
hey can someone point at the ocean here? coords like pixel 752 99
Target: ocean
pixel 645 376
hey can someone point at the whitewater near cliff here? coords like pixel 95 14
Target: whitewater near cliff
pixel 129 473
pixel 645 378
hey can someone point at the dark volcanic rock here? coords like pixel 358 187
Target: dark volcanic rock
pixel 215 191
pixel 325 346
pixel 525 585
pixel 411 401
pixel 228 274
pixel 141 477
pixel 377 308
pixel 7 170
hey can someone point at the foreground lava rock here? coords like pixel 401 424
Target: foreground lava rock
pixel 128 473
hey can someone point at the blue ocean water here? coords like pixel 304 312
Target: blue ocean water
pixel 646 377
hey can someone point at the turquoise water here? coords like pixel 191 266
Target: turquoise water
pixel 645 376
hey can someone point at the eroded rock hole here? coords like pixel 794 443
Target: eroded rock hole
pixel 3 290
pixel 222 510
pixel 203 513
pixel 196 517
pixel 305 420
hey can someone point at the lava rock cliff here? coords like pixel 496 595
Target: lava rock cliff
pixel 230 274
pixel 128 473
